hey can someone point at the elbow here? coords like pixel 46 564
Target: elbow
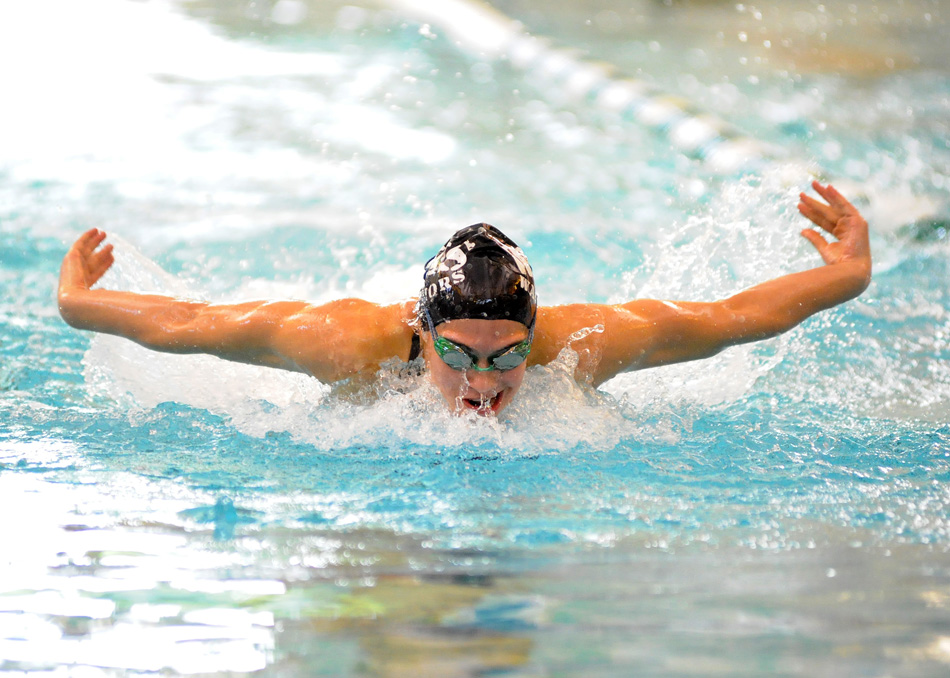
pixel 769 326
pixel 191 327
pixel 176 334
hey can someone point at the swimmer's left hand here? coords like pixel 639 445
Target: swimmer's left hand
pixel 842 220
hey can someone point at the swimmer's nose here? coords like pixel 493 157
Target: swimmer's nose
pixel 483 382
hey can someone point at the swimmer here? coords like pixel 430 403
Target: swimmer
pixel 476 325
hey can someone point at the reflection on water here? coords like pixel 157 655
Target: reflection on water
pixel 779 510
pixel 146 597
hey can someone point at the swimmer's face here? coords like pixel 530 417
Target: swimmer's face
pixel 486 393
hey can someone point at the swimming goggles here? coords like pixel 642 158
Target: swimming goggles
pixel 460 359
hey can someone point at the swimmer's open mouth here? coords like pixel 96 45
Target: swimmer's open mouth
pixel 487 405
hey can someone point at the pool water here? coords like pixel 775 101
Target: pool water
pixel 781 509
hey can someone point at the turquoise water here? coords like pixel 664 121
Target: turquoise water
pixel 781 509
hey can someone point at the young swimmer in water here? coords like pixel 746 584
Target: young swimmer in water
pixel 476 323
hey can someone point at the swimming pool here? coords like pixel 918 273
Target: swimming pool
pixel 781 509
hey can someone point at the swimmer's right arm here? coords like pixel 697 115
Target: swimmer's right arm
pixel 331 342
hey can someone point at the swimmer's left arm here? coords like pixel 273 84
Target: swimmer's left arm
pixel 647 333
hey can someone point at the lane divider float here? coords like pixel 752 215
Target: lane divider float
pixel 487 33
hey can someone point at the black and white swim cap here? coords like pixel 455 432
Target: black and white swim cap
pixel 479 273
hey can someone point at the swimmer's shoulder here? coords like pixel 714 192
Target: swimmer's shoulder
pixel 608 338
pixel 555 326
pixel 347 338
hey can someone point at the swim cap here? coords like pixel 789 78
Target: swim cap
pixel 479 273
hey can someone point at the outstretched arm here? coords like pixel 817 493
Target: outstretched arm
pixel 647 333
pixel 331 342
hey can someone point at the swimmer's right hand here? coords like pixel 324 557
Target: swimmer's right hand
pixel 84 264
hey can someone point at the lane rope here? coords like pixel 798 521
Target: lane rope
pixel 487 33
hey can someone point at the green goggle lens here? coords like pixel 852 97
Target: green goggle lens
pixel 458 359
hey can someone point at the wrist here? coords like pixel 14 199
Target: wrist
pixel 862 268
pixel 856 273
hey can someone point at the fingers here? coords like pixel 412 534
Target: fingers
pixel 86 261
pixel 818 213
pixel 825 216
pixel 835 199
pixel 89 241
pixel 823 246
pixel 100 262
pixel 815 239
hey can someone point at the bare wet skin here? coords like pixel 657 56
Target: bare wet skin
pixel 486 392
